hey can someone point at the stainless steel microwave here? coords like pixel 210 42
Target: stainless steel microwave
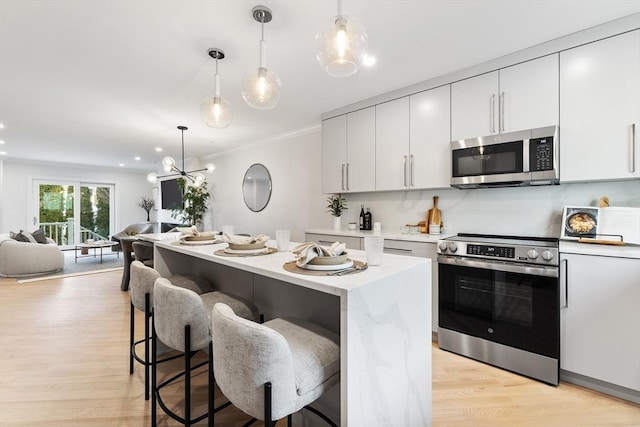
pixel 528 157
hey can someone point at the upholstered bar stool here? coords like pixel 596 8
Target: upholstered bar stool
pixel 274 369
pixel 143 252
pixel 141 293
pixel 182 321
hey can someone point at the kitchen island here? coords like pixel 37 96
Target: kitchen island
pixel 382 314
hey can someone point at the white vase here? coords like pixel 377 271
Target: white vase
pixel 336 222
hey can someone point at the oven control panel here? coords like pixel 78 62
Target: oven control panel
pixel 531 254
pixel 492 251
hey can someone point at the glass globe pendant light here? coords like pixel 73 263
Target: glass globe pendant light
pixel 342 47
pixel 215 110
pixel 261 87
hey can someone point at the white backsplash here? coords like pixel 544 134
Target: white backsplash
pixel 524 211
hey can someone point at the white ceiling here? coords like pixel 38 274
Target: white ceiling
pixel 99 82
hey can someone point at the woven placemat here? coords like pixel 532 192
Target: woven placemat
pixel 293 268
pixel 269 251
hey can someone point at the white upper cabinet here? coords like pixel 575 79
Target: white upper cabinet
pixel 523 96
pixel 412 141
pixel 429 137
pixel 392 145
pixel 348 152
pixel 361 150
pixel 600 110
pixel 334 154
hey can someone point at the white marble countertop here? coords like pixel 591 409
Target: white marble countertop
pixel 272 266
pixel 424 238
pixel 573 247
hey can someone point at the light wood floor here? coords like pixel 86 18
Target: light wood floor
pixel 63 362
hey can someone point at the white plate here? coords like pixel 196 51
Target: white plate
pixel 246 251
pixel 318 267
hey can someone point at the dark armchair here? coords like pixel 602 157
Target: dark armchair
pixel 131 230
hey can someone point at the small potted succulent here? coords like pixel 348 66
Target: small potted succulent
pixel 336 207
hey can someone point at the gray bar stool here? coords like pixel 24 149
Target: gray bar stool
pixel 182 321
pixel 141 294
pixel 272 370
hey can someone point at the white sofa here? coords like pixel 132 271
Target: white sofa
pixel 20 259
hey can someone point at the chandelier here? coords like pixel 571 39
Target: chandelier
pixel 170 168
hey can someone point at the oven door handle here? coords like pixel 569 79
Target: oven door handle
pixel 545 271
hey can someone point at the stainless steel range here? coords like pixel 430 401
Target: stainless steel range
pixel 499 302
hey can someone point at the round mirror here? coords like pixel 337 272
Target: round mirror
pixel 256 187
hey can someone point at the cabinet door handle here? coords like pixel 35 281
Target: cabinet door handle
pixel 397 250
pixel 404 171
pixel 411 163
pixel 492 114
pixel 501 108
pixel 343 165
pixel 564 272
pixel 634 147
pixel 348 164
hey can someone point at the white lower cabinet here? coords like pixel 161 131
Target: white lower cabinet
pixel 600 318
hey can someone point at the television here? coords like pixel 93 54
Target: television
pixel 170 194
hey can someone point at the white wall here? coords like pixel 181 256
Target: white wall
pixel 17 183
pixel 296 199
pixel 297 202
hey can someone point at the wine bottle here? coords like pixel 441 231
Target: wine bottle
pixel 368 220
pixel 361 217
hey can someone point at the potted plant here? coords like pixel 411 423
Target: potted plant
pixel 336 207
pixel 194 203
pixel 147 204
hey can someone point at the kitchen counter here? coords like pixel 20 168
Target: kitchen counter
pixel 382 314
pixel 422 237
pixel 573 247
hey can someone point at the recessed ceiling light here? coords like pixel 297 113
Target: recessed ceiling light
pixel 3 153
pixel 159 150
pixel 121 165
pixel 1 141
pixel 369 61
pixel 137 158
pixel 1 126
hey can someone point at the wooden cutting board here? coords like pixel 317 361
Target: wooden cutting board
pixel 434 216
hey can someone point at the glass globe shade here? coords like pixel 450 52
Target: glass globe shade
pixel 210 167
pixel 168 163
pixel 198 179
pixel 342 47
pixel 216 114
pixel 152 177
pixel 261 88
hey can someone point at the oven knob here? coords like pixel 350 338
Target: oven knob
pixel 547 255
pixel 443 246
pixel 532 254
pixel 453 247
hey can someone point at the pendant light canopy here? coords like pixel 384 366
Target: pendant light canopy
pixel 170 168
pixel 261 86
pixel 342 47
pixel 215 110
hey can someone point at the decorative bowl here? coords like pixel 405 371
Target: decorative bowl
pixel 246 246
pixel 329 260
